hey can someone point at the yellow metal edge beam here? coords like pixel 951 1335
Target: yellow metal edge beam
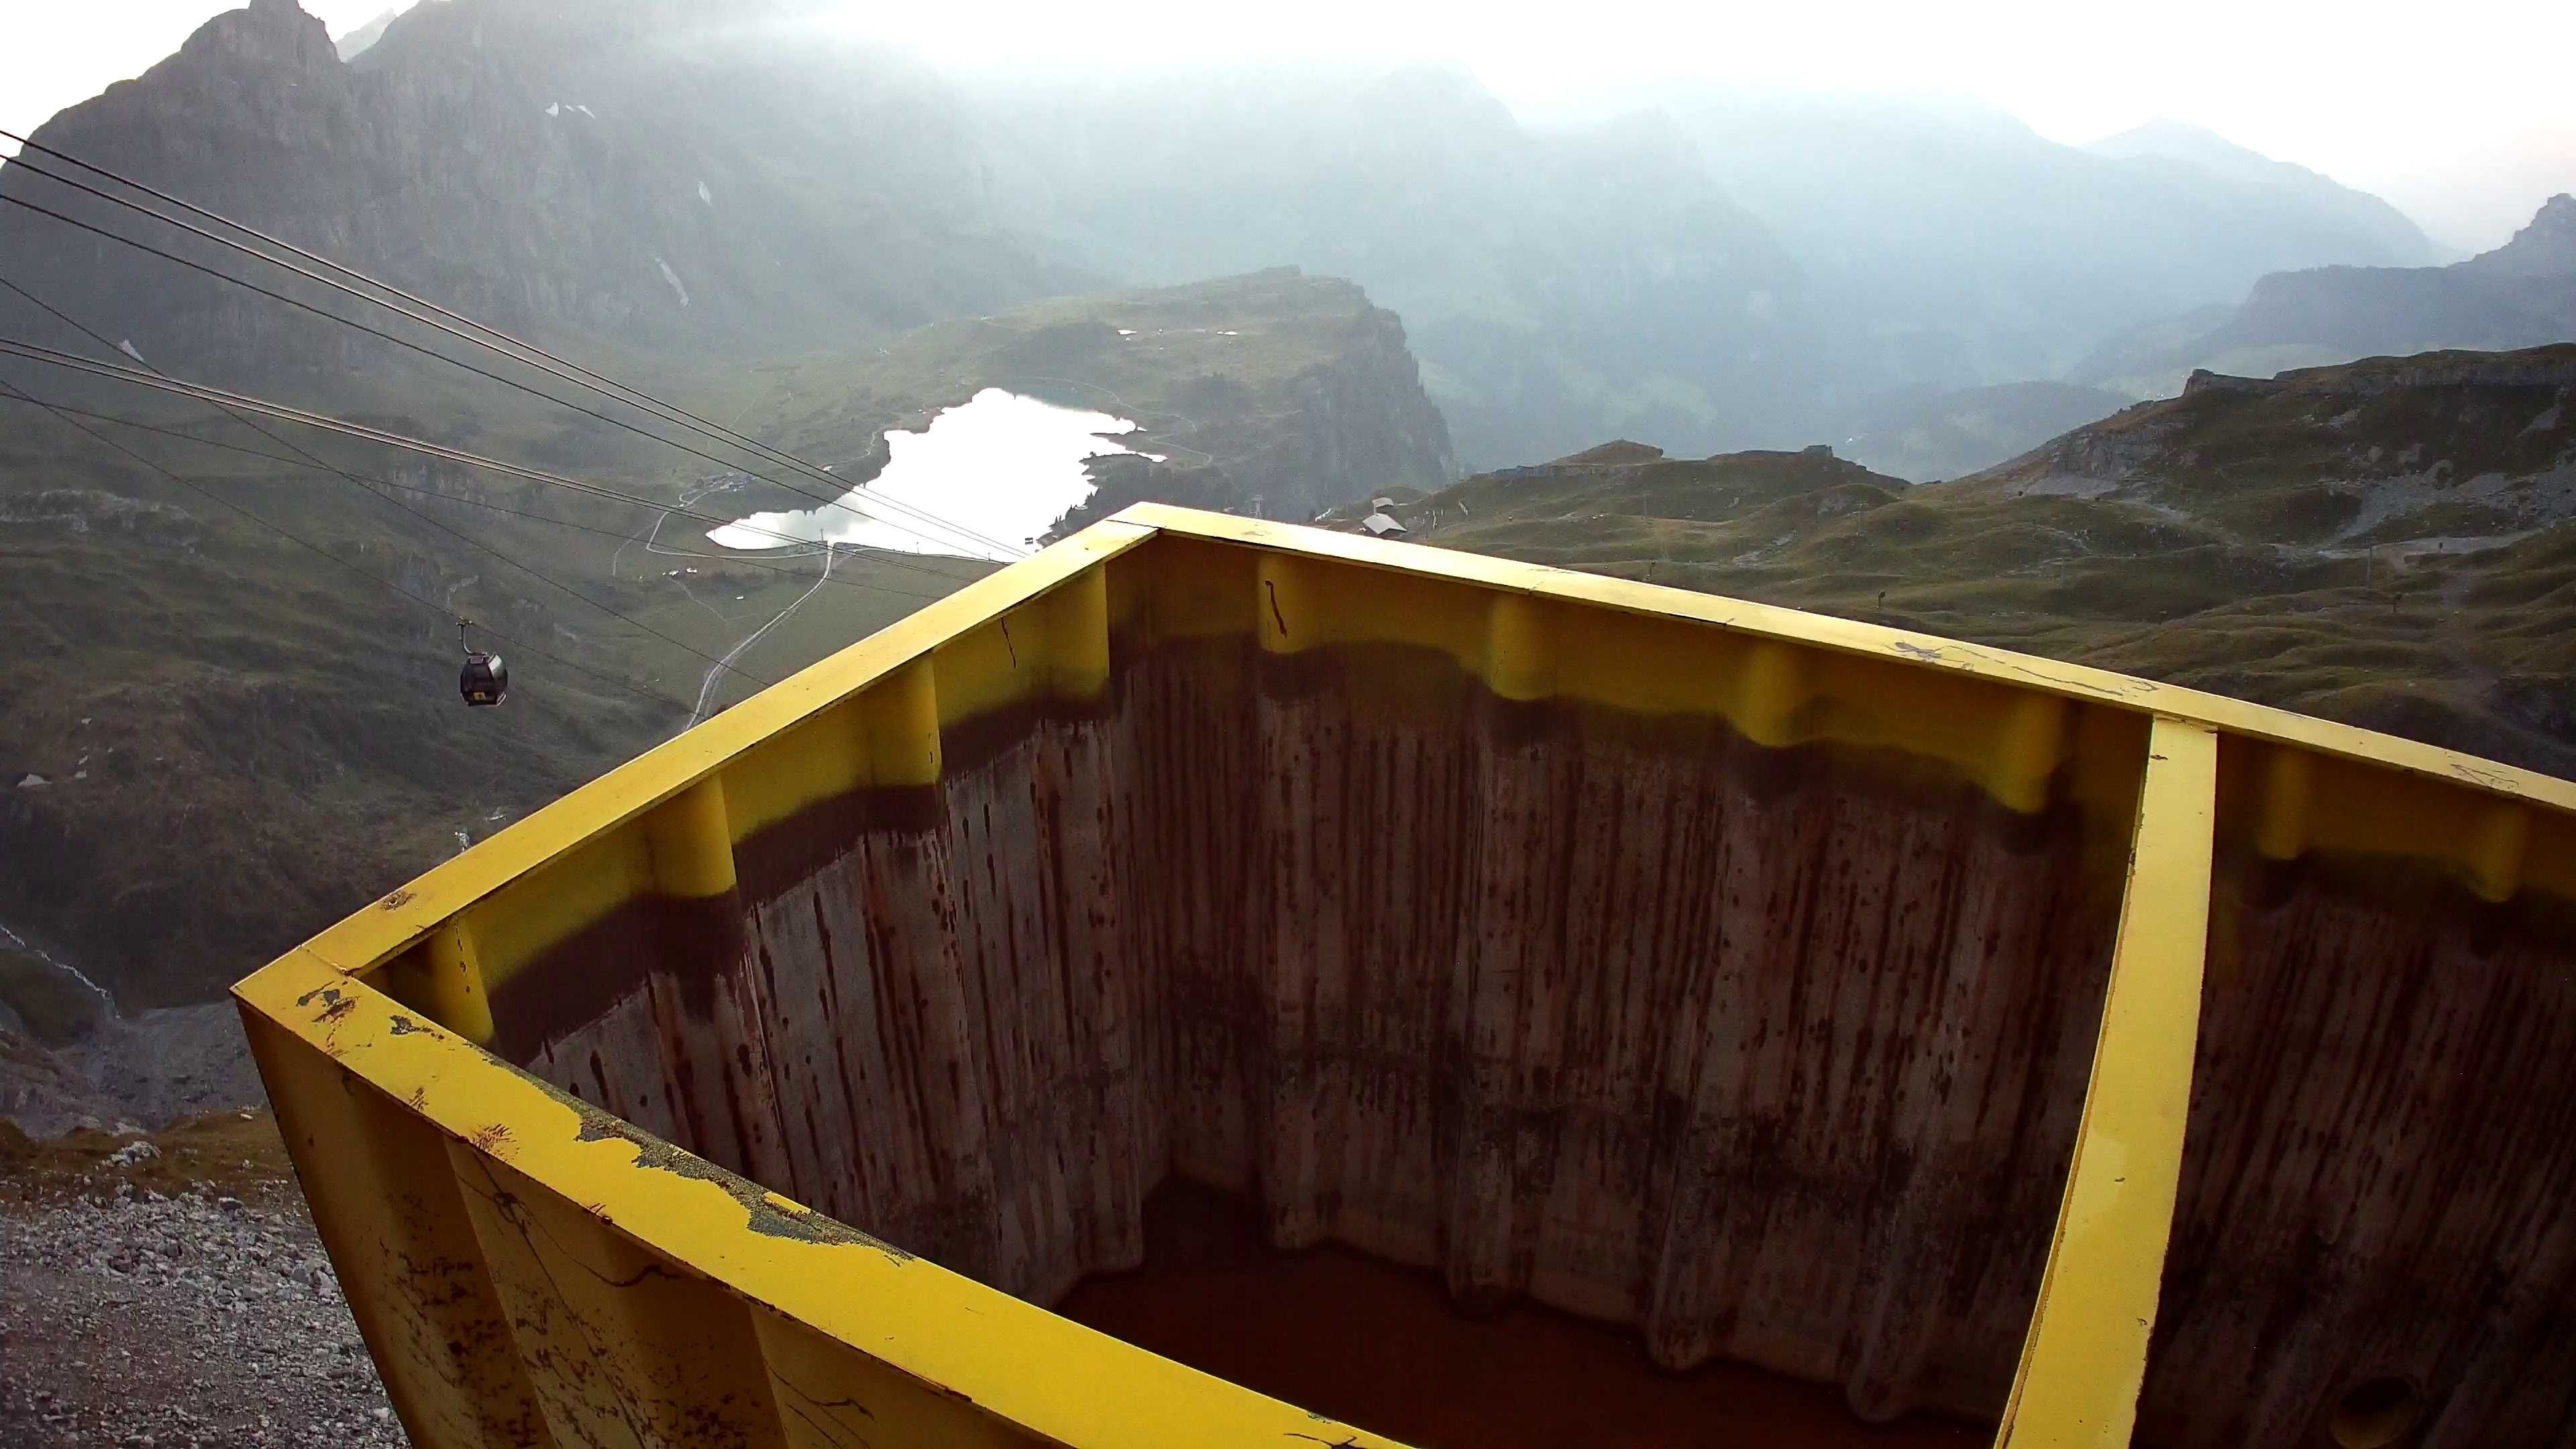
pixel 393 922
pixel 2086 1354
pixel 1048 1375
pixel 1850 636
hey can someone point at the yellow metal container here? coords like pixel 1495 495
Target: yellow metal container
pixel 1971 1032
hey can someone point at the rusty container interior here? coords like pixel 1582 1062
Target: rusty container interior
pixel 1489 1008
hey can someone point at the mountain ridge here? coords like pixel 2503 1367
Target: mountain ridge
pixel 2390 543
pixel 2521 294
pixel 540 177
pixel 708 178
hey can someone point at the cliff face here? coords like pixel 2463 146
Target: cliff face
pixel 1349 422
pixel 625 173
pixel 1273 392
pixel 1368 424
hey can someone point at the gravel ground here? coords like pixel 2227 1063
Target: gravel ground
pixel 169 1291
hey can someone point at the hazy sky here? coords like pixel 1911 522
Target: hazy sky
pixel 2460 113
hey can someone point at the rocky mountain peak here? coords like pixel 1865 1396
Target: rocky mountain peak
pixel 263 33
pixel 2544 248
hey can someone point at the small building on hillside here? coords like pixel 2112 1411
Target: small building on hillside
pixel 1382 524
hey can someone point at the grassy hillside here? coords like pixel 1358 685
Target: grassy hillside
pixel 233 739
pixel 237 740
pixel 2388 543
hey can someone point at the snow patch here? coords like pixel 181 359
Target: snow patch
pixel 554 108
pixel 705 195
pixel 673 278
pixel 33 782
pixel 1001 465
pixel 127 347
pixel 587 111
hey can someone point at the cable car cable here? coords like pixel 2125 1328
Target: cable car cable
pixel 525 352
pixel 457 533
pixel 543 361
pixel 642 502
pixel 442 610
pixel 13 347
pixel 481 372
pixel 551 365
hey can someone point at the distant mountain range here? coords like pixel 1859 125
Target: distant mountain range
pixel 1948 245
pixel 2191 155
pixel 718 178
pixel 2522 294
pixel 658 176
pixel 1556 287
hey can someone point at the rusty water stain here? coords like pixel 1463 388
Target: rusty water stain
pixel 953 1012
pixel 1015 996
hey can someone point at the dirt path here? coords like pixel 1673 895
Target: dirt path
pixel 715 673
